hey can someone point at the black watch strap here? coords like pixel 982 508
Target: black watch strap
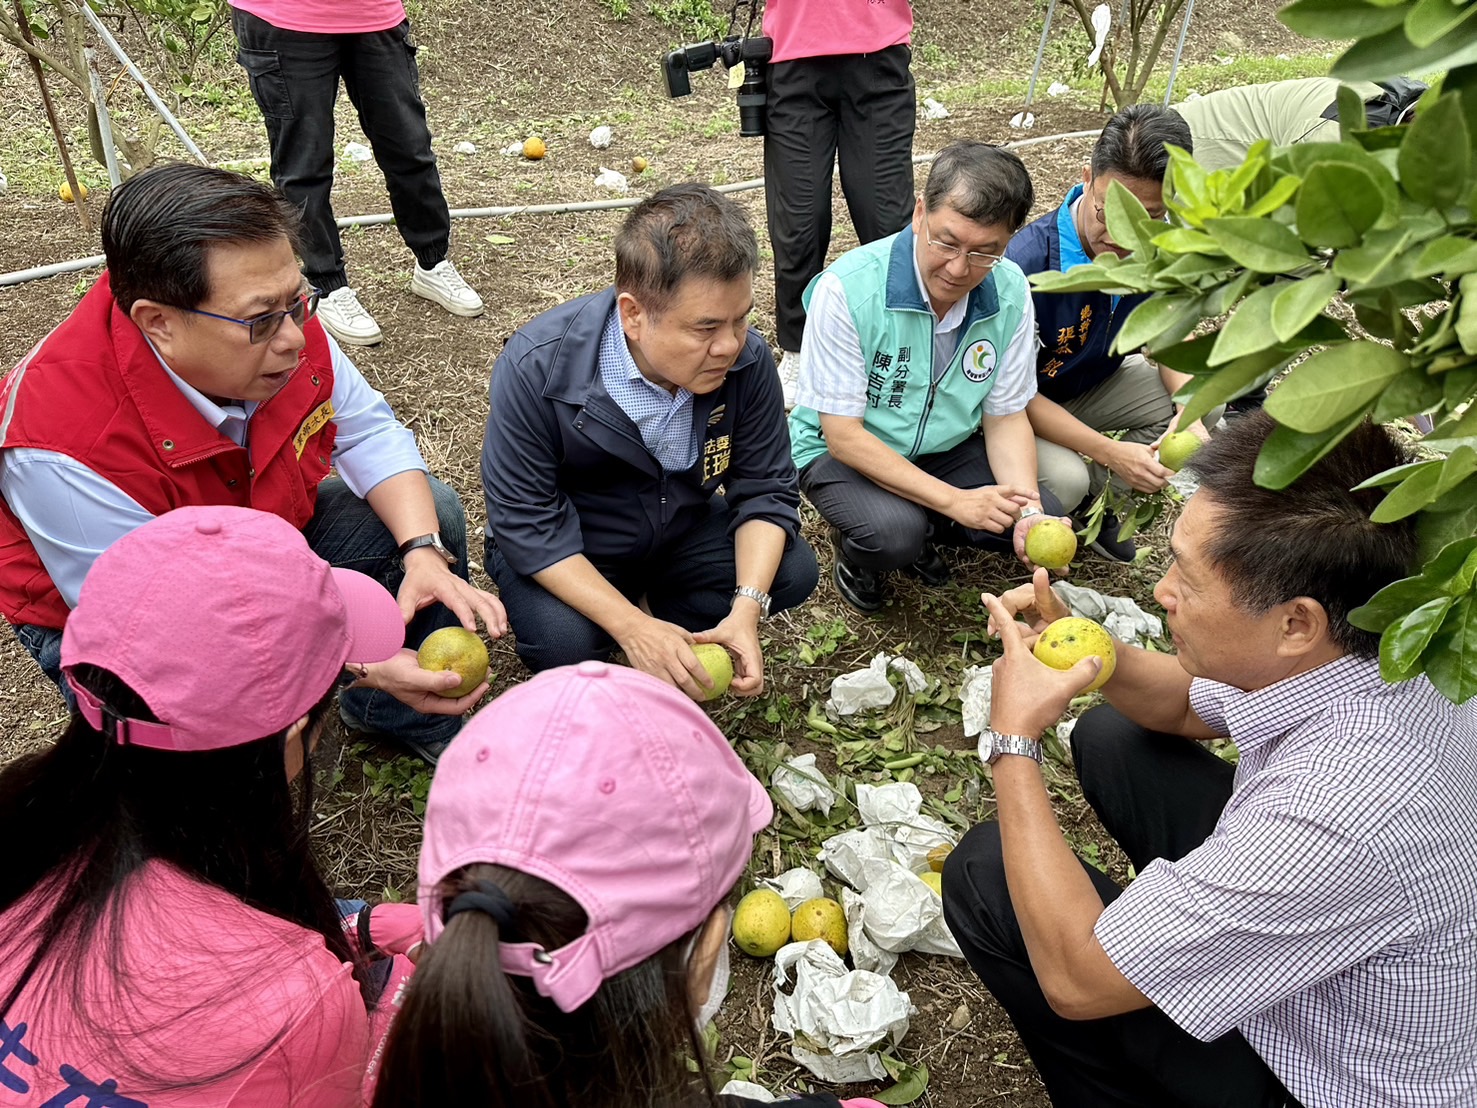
pixel 432 540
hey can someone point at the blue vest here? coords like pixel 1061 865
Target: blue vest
pixel 914 406
pixel 1077 328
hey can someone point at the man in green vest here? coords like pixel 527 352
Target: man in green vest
pixel 910 430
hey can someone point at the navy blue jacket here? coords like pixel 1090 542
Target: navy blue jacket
pixel 1077 328
pixel 564 470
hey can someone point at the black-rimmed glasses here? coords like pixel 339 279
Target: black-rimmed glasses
pixel 263 327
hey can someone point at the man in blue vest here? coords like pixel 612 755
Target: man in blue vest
pixel 910 429
pixel 1084 390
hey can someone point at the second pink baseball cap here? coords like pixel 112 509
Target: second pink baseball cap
pixel 610 785
pixel 225 623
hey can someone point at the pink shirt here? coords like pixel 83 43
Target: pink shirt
pixel 328 17
pixel 205 982
pixel 820 28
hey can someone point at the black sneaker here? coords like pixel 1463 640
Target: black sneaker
pixel 1109 545
pixel 930 568
pixel 859 587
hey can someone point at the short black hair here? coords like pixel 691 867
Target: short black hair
pixel 159 226
pixel 687 230
pixel 1313 538
pixel 984 183
pixel 1133 142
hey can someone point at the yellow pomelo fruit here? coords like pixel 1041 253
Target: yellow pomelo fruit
pixel 65 191
pixel 638 165
pixel 1052 544
pixel 1176 449
pixel 456 649
pixel 761 923
pixel 821 918
pixel 1067 641
pixel 534 148
pixel 719 665
pixel 936 857
pixel 934 881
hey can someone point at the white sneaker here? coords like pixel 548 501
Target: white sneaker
pixel 445 286
pixel 346 319
pixel 789 377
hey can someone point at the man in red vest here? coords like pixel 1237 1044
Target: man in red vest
pixel 194 372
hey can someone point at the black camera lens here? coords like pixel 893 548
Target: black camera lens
pixel 751 101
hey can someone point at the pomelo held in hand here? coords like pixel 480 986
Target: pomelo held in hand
pixel 1176 449
pixel 459 650
pixel 1067 641
pixel 761 923
pixel 716 661
pixel 821 918
pixel 1051 544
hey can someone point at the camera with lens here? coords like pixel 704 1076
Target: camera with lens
pixel 752 51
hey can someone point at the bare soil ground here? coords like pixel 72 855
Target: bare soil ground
pixel 496 73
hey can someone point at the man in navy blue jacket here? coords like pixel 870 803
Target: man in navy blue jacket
pixel 1083 389
pixel 614 421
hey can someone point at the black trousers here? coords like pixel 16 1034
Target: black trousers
pixel 689 583
pixel 1160 796
pixel 294 79
pixel 860 106
pixel 881 530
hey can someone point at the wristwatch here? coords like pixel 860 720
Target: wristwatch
pixel 1028 511
pixel 993 745
pixel 433 540
pixel 757 596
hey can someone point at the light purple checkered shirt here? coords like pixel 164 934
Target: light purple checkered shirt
pixel 664 419
pixel 1331 916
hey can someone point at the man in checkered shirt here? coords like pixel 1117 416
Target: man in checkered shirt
pixel 1303 927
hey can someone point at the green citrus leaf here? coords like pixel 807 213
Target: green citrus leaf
pixel 1126 218
pixel 1282 190
pixel 1337 204
pixel 1378 56
pixel 1408 497
pixel 1237 379
pixel 1301 302
pixel 1334 384
pixel 1156 318
pixel 1449 256
pixel 1402 642
pixel 1287 454
pixel 1339 19
pixel 1451 657
pixel 1250 327
pixel 1413 391
pixel 1259 244
pixel 1431 20
pixel 1392 602
pixel 1436 153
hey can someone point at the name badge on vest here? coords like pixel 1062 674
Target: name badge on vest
pixel 312 425
pixel 979 361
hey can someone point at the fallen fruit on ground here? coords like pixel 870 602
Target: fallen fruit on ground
pixel 761 923
pixel 821 918
pixel 936 857
pixel 1052 544
pixel 534 148
pixel 719 664
pixel 638 165
pixel 459 650
pixel 1067 641
pixel 933 880
pixel 1176 449
pixel 65 191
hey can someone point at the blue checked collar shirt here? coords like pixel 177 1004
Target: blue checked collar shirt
pixel 664 420
pixel 1331 916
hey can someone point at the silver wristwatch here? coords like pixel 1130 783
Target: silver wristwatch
pixel 993 745
pixel 757 596
pixel 1028 511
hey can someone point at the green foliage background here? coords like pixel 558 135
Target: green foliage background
pixel 1357 261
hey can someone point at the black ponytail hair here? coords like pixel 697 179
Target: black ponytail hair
pixel 469 1033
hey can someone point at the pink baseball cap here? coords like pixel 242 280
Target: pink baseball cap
pixel 226 624
pixel 610 785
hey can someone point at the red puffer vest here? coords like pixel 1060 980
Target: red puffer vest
pixel 94 390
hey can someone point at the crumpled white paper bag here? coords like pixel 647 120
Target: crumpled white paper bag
pixel 974 696
pixel 610 179
pixel 839 1019
pixel 801 783
pixel 795 886
pixel 1122 618
pixel 749 1091
pixel 869 688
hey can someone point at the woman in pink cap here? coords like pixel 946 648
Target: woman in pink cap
pixel 165 937
pixel 583 833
